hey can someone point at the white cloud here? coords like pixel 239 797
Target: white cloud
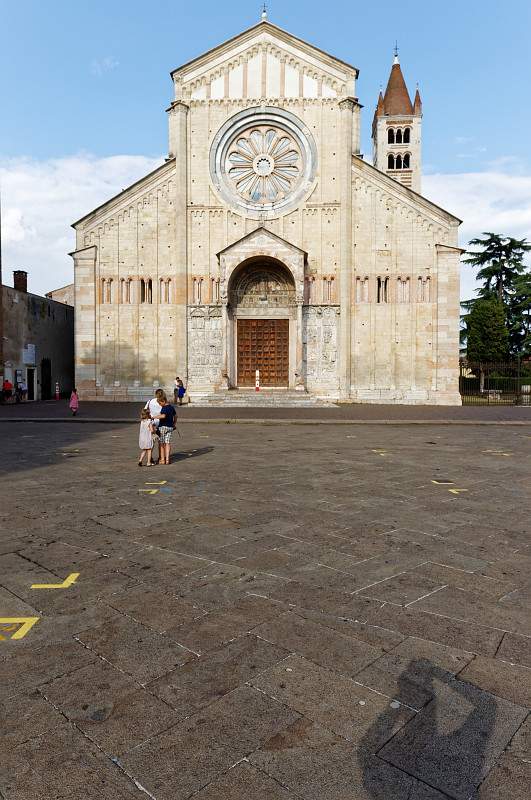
pixel 99 66
pixel 485 201
pixel 40 200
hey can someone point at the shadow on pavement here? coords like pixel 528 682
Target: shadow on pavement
pixel 40 445
pixel 445 745
pixel 182 455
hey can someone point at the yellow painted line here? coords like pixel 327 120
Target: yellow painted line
pixel 149 491
pixel 443 483
pixel 155 483
pixel 72 578
pixel 457 491
pixel 26 623
pixel 496 453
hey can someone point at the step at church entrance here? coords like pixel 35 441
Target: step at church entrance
pixel 263 344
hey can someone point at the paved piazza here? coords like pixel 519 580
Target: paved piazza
pixel 316 612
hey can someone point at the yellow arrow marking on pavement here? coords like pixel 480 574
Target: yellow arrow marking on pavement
pixel 25 624
pixel 443 483
pixel 457 491
pixel 149 491
pixel 72 578
pixel 155 483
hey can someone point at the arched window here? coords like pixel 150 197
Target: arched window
pixel 391 136
pixel 398 162
pixel 390 161
pixel 398 137
pixel 149 292
pixel 407 135
pixel 406 161
pixel 382 290
pixel 142 290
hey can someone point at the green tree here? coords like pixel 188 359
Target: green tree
pixel 500 261
pixel 522 310
pixel 505 277
pixel 487 337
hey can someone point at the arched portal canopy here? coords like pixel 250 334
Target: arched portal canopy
pixel 261 282
pixel 262 245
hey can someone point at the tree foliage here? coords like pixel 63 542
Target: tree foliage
pixel 505 277
pixel 487 334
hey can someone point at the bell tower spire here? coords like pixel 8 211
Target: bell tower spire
pixel 396 130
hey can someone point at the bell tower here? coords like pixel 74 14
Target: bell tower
pixel 396 131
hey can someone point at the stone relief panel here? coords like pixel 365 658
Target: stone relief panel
pixel 320 326
pixel 205 347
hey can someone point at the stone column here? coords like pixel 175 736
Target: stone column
pixel 178 123
pixel 445 344
pixel 346 108
pixel 299 377
pixel 86 300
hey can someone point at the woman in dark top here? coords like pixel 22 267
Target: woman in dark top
pixel 167 418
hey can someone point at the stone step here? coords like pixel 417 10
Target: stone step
pixel 259 399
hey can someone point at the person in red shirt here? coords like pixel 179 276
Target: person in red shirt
pixel 7 389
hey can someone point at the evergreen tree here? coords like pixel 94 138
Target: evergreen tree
pixel 500 260
pixel 506 278
pixel 487 337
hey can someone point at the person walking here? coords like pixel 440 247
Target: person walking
pixel 74 402
pixel 154 406
pixel 167 423
pixel 145 438
pixel 176 383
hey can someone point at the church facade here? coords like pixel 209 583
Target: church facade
pixel 265 242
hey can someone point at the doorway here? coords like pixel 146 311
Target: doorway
pixel 263 344
pixel 46 379
pixel 30 382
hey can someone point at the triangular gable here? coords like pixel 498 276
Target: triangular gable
pixel 300 60
pixel 263 238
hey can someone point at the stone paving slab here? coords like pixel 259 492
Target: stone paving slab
pixel 243 782
pixel 406 672
pixel 345 654
pixel 499 678
pixel 134 649
pixel 367 412
pixel 109 707
pixel 337 703
pixel 270 545
pixel 199 683
pixel 192 753
pixel 454 743
pixel 74 768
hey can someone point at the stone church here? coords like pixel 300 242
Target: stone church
pixel 265 242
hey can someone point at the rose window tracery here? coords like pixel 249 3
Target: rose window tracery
pixel 263 160
pixel 264 164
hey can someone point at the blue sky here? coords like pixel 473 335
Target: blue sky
pixel 84 83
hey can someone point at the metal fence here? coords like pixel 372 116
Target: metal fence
pixel 505 383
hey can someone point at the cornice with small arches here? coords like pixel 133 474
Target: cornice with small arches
pixel 115 217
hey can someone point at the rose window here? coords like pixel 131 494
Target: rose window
pixel 263 161
pixel 264 165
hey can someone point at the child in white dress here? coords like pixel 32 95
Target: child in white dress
pixel 145 438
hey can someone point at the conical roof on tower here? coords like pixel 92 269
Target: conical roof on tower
pixel 379 110
pixel 417 104
pixel 396 99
